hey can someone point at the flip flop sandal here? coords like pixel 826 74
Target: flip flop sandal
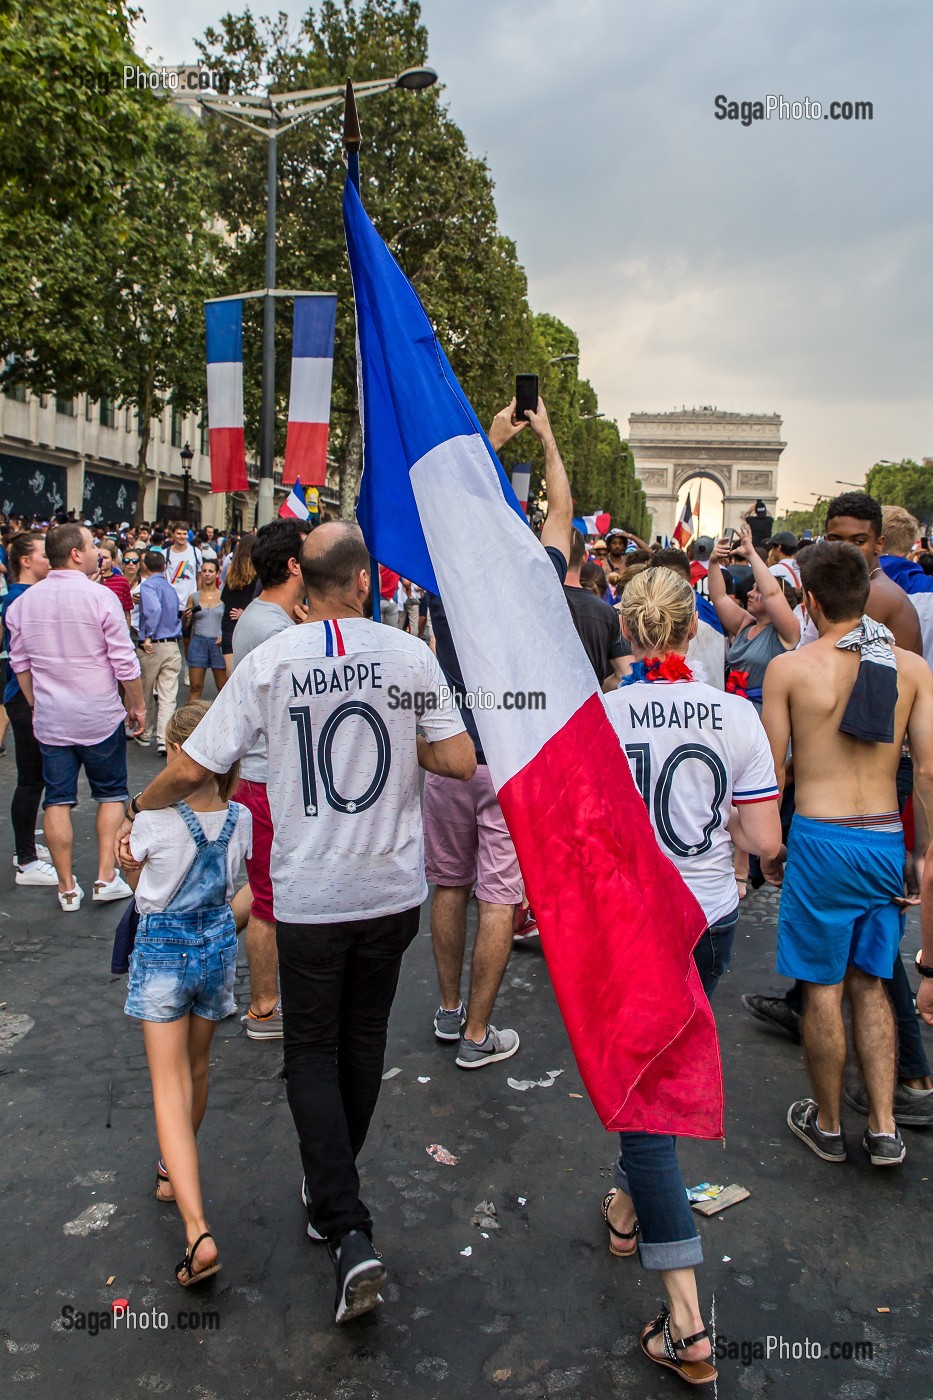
pixel 185 1266
pixel 162 1176
pixel 617 1234
pixel 692 1372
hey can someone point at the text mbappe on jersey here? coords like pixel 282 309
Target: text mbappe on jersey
pixel 674 715
pixel 338 680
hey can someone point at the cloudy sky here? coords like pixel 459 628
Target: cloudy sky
pixel 781 267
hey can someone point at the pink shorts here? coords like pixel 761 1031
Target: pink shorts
pixel 466 839
pixel 255 799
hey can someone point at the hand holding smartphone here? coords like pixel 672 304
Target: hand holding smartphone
pixel 526 396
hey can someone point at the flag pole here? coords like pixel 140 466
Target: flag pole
pixel 352 141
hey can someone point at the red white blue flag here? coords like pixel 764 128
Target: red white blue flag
pixel 309 399
pixel 295 507
pixel 224 322
pixel 617 924
pixel 683 530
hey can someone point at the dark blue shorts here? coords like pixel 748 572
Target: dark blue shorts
pixel 205 652
pixel 103 763
pixel 837 908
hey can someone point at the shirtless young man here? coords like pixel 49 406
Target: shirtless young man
pixel 855 518
pixel 842 935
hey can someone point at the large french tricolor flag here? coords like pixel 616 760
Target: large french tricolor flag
pixel 309 398
pixel 224 320
pixel 617 924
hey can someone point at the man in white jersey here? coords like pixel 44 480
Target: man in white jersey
pixel 347 860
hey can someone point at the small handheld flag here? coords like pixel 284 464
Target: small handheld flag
pixel 294 507
pixel 224 323
pixel 683 530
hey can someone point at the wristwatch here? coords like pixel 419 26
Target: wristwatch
pixel 923 970
pixel 134 806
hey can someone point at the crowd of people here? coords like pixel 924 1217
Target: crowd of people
pixel 774 698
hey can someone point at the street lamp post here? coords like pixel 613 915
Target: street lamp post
pixel 187 457
pixel 268 118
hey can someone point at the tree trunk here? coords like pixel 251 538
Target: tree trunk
pixel 350 469
pixel 144 410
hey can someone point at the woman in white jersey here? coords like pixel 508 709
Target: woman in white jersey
pixel 697 755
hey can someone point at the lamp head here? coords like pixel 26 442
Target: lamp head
pixel 415 79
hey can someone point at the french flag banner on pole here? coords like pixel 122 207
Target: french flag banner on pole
pixel 618 925
pixel 224 320
pixel 294 507
pixel 309 397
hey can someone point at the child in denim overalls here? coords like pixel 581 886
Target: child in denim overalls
pixel 182 971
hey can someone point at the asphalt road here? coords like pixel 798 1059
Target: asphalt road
pixel 819 1254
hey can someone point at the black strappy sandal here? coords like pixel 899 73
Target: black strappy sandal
pixel 162 1176
pixel 693 1372
pixel 185 1266
pixel 617 1234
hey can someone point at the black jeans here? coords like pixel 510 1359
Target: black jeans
pixel 338 984
pixel 29 783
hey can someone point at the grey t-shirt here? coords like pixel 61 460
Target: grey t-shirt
pixel 256 625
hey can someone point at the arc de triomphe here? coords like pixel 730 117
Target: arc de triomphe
pixel 739 451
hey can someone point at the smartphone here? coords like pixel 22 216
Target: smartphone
pixel 100 562
pixel 925 541
pixel 526 396
pixel 732 535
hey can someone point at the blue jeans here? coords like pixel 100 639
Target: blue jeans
pixel 647 1167
pixel 104 766
pixel 647 1170
pixel 713 953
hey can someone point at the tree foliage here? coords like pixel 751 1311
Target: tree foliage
pixel 906 483
pixel 106 250
pixel 799 521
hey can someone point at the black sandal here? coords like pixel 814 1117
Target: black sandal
pixel 185 1265
pixel 162 1176
pixel 617 1234
pixel 693 1372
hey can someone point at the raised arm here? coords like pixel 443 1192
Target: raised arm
pixel 779 610
pixel 730 614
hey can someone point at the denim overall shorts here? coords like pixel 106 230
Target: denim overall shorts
pixel 184 959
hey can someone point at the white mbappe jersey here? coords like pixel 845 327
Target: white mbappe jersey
pixel 694 752
pixel 339 702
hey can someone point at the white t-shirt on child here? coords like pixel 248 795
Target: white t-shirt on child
pixel 168 848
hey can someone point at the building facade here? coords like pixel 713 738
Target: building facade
pixel 80 455
pixel 739 451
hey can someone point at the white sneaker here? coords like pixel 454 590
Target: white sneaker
pixel 42 853
pixel 70 900
pixel 37 872
pixel 117 888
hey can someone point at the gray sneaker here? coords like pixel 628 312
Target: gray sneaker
pixel 264 1027
pixel 884 1150
pixel 801 1119
pixel 498 1045
pixel 913 1108
pixel 448 1025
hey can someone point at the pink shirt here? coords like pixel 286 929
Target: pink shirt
pixel 71 635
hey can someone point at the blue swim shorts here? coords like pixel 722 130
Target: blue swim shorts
pixel 183 963
pixel 837 907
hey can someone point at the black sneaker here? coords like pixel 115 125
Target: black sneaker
pixel 774 1011
pixel 913 1108
pixel 360 1274
pixel 801 1119
pixel 306 1202
pixel 884 1150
